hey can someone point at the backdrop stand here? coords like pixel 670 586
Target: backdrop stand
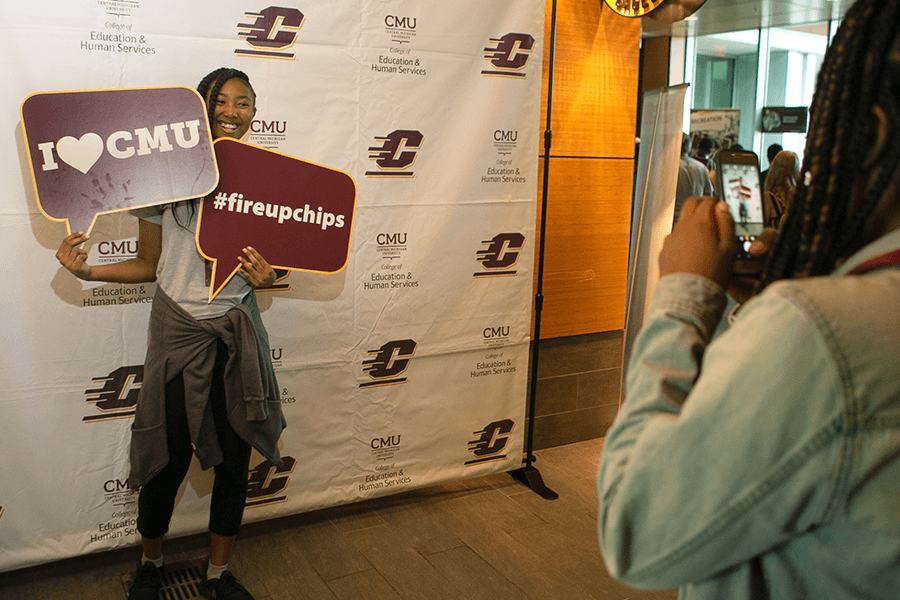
pixel 529 475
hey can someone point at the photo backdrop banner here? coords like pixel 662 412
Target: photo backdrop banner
pixel 407 368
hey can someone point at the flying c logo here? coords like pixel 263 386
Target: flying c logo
pixel 266 482
pixel 396 154
pixel 117 396
pixel 491 442
pixel 272 33
pixel 388 363
pixel 501 254
pixel 509 55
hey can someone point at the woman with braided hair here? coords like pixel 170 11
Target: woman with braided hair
pixel 759 457
pixel 209 388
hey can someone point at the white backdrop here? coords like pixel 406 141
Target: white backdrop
pixel 654 202
pixel 406 369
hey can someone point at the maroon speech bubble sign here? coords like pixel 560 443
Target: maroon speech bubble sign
pixel 298 215
pixel 101 151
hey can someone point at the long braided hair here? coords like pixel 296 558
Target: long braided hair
pixel 209 87
pixel 861 69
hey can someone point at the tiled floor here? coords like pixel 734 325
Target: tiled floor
pixel 489 538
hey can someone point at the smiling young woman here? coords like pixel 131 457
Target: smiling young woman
pixel 189 403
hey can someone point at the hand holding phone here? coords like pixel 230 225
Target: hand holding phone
pixel 702 242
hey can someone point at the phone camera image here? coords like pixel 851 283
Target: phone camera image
pixel 740 188
pixel 738 184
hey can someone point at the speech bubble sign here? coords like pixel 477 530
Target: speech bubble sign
pixel 298 215
pixel 100 151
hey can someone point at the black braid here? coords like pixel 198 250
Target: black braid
pixel 848 242
pixel 209 87
pixel 856 74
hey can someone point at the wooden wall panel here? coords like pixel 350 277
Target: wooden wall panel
pixel 655 73
pixel 586 253
pixel 591 167
pixel 594 80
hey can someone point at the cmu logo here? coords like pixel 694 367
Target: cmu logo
pixel 117 397
pixel 114 251
pixel 509 55
pixel 501 254
pixel 266 483
pixel 396 154
pixel 268 127
pixel 395 22
pixel 82 153
pixel 491 442
pixel 388 363
pixel 495 333
pixel 272 33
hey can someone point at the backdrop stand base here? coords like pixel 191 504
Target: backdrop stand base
pixel 531 477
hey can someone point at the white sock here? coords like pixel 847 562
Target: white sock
pixel 214 572
pixel 157 563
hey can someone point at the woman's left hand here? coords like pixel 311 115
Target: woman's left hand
pixel 255 269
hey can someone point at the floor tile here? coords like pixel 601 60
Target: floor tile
pixel 487 537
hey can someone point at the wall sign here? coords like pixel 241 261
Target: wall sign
pixel 784 119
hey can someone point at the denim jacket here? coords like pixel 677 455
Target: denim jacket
pixel 765 463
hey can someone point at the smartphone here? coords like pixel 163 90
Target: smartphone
pixel 737 183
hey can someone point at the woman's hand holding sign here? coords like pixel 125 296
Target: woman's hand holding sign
pixel 140 269
pixel 72 257
pixel 255 269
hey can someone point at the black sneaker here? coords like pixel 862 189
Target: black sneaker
pixel 147 583
pixel 225 587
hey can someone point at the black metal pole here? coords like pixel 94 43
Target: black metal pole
pixel 528 474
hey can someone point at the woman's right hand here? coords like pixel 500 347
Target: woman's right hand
pixel 72 257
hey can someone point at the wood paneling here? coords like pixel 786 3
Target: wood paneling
pixel 591 165
pixel 655 70
pixel 586 253
pixel 594 80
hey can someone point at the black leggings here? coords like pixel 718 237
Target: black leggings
pixel 229 494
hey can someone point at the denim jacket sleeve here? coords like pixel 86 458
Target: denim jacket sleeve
pixel 717 455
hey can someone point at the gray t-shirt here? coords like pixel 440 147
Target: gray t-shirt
pixel 182 272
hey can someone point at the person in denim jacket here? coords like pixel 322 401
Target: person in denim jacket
pixel 762 459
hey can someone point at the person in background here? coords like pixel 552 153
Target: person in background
pixel 779 187
pixel 693 177
pixel 712 167
pixel 704 152
pixel 762 460
pixel 771 152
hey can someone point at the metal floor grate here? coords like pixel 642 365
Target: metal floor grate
pixel 181 582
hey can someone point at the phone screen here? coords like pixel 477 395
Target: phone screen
pixel 740 189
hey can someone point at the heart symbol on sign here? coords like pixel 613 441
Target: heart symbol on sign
pixel 81 154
